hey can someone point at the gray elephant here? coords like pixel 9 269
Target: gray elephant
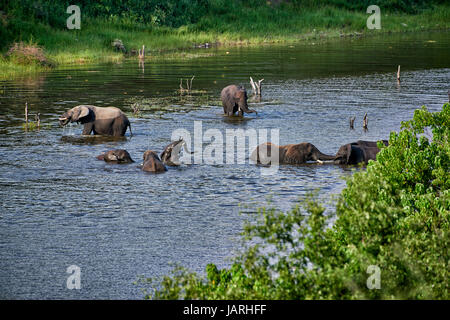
pixel 152 163
pixel 358 152
pixel 234 99
pixel 171 154
pixel 116 156
pixel 288 154
pixel 98 120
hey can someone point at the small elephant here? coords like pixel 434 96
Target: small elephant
pixel 109 121
pixel 116 156
pixel 171 154
pixel 289 154
pixel 152 163
pixel 357 152
pixel 234 99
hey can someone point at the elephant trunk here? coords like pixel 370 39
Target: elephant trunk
pixel 244 108
pixel 324 157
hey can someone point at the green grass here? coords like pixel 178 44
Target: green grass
pixel 249 26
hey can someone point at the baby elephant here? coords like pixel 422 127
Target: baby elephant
pixel 116 156
pixel 152 163
pixel 171 154
pixel 357 152
pixel 289 154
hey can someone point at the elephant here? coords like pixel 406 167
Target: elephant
pixel 357 152
pixel 289 154
pixel 171 154
pixel 234 99
pixel 152 163
pixel 109 121
pixel 116 156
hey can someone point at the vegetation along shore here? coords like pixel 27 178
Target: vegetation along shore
pixel 34 34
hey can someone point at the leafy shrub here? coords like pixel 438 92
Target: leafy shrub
pixel 395 216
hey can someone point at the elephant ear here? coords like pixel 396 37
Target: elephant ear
pixel 349 152
pixel 80 112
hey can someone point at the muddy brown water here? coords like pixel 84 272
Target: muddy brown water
pixel 61 207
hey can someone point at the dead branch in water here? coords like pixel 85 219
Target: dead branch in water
pixel 37 117
pixel 135 108
pixel 188 85
pixel 256 86
pixel 352 122
pixel 365 122
pixel 26 114
pixel 141 53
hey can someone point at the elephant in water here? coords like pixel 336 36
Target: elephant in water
pixel 152 163
pixel 103 121
pixel 289 154
pixel 171 154
pixel 116 156
pixel 357 152
pixel 234 99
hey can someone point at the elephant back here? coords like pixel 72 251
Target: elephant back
pixel 103 113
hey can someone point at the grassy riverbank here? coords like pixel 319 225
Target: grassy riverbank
pixel 225 23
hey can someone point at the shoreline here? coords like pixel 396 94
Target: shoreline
pixel 90 45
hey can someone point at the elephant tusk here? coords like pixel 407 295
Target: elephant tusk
pixel 61 119
pixel 319 161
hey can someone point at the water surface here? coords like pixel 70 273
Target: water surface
pixel 60 206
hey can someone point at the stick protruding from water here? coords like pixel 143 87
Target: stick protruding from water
pixel 365 122
pixel 142 53
pixel 256 86
pixel 352 122
pixel 26 114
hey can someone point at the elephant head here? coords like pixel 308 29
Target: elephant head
pixel 152 163
pixel 78 114
pixel 359 151
pixel 116 156
pixel 234 99
pixel 171 154
pixel 241 100
pixel 347 154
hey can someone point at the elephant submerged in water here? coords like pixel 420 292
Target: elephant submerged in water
pixel 98 120
pixel 152 162
pixel 171 154
pixel 288 154
pixel 234 99
pixel 358 152
pixel 116 156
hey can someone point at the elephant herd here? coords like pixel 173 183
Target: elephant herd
pixel 350 153
pixel 113 122
pixel 152 162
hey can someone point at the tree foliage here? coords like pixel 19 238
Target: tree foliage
pixel 395 215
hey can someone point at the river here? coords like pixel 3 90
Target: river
pixel 61 207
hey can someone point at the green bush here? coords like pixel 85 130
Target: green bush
pixel 395 215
